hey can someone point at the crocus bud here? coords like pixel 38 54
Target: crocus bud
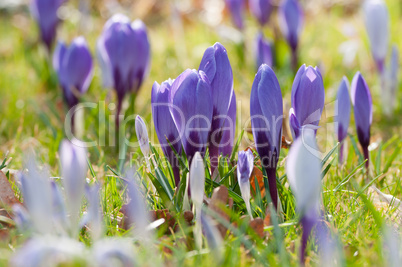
pixel 377 26
pixel 303 169
pixel 308 96
pixel 291 21
pixel 197 189
pixel 228 135
pixel 215 63
pixel 191 108
pixel 164 125
pixel 236 9
pixel 245 166
pixel 266 110
pixel 263 51
pixel 363 110
pixel 74 68
pixel 261 9
pixel 342 113
pixel 142 136
pixel 74 168
pixel 124 53
pixel 45 14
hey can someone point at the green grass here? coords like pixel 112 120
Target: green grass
pixel 32 118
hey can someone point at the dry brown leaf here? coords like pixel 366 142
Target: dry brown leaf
pixel 7 196
pixel 219 199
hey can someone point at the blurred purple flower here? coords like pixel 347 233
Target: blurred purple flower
pixel 377 26
pixel 266 110
pixel 74 68
pixel 263 51
pixel 214 239
pixel 291 21
pixel 74 168
pixel 261 9
pixel 363 110
pixel 164 125
pixel 342 114
pixel 124 55
pixel 215 63
pixel 245 166
pixel 303 169
pixel 191 108
pixel 45 14
pixel 236 9
pixel 308 96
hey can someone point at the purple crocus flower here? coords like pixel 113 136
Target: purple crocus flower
pixel 263 51
pixel 74 168
pixel 342 113
pixel 261 9
pixel 215 63
pixel 363 110
pixel 74 68
pixel 291 23
pixel 377 26
pixel 45 14
pixel 124 54
pixel 266 110
pixel 308 96
pixel 228 135
pixel 245 166
pixel 236 8
pixel 190 102
pixel 164 125
pixel 303 169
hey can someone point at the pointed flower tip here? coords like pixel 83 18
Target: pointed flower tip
pixel 245 165
pixel 197 178
pixel 142 135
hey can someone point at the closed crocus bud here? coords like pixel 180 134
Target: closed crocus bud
pixel 291 23
pixel 236 9
pixel 377 26
pixel 303 169
pixel 164 125
pixel 74 168
pixel 142 137
pixel 245 166
pixel 197 189
pixel 342 114
pixel 261 9
pixel 215 63
pixel 308 96
pixel 228 135
pixel 124 54
pixel 74 68
pixel 191 108
pixel 263 51
pixel 45 14
pixel 266 110
pixel 363 110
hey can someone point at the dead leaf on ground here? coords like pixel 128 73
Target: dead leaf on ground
pixel 7 196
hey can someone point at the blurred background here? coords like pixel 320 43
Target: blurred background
pixel 31 105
